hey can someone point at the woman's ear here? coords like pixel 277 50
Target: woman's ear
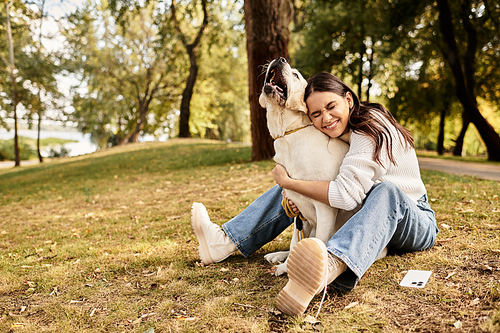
pixel 350 100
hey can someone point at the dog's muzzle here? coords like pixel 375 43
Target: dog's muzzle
pixel 275 82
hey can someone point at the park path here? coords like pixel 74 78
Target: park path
pixel 480 170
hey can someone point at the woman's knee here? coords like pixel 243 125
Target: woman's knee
pixel 386 187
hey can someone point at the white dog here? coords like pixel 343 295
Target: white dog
pixel 303 150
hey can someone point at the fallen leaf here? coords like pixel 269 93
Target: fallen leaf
pixel 182 317
pixel 74 301
pixel 487 267
pixel 475 302
pixel 224 269
pixel 311 320
pixel 353 304
pixel 445 226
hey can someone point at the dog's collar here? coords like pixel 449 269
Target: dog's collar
pixel 292 131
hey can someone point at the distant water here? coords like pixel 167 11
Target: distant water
pixel 81 147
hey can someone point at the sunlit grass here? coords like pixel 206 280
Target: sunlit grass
pixel 103 243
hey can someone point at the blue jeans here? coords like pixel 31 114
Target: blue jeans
pixel 387 218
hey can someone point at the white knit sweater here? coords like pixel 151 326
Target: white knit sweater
pixel 359 171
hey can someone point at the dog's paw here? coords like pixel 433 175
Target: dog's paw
pixel 277 256
pixel 280 269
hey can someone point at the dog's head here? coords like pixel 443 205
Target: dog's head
pixel 283 87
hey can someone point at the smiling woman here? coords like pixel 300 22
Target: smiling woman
pixel 329 112
pixel 379 177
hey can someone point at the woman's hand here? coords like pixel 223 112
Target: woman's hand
pixel 280 175
pixel 294 208
pixel 314 189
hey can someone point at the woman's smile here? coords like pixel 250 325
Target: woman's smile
pixel 332 125
pixel 329 112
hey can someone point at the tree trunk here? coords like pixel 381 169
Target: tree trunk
pixel 360 70
pixel 187 94
pixel 14 86
pixel 40 111
pixel 466 90
pixel 39 128
pixel 268 34
pixel 370 73
pixel 143 111
pixel 459 142
pixel 442 118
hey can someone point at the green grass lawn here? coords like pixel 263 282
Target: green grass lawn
pixel 103 243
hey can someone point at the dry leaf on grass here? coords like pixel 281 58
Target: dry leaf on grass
pixel 182 317
pixel 351 305
pixel 311 320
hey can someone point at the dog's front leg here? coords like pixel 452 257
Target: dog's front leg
pixel 326 217
pixel 280 258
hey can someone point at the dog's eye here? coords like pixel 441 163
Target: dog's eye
pixel 296 75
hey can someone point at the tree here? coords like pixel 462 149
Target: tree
pixel 220 99
pixel 191 47
pixel 15 97
pixel 124 70
pixel 268 34
pixel 464 72
pixel 347 38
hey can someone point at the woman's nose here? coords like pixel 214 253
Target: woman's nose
pixel 326 116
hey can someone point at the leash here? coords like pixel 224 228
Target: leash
pixel 299 225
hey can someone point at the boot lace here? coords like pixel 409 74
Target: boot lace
pixel 333 263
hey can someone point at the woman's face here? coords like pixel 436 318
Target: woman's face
pixel 329 112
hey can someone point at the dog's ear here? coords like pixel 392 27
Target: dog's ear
pixel 296 100
pixel 262 100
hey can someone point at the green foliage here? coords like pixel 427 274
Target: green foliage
pixel 129 72
pixel 36 68
pixel 61 152
pixel 395 48
pixel 26 150
pixel 220 107
pixel 134 68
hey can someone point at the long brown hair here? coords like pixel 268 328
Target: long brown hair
pixel 361 117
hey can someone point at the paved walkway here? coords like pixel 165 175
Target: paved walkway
pixel 10 164
pixel 480 170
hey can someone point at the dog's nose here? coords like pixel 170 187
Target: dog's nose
pixel 281 59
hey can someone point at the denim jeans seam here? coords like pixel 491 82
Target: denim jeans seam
pixel 237 244
pixel 352 266
pixel 275 217
pixel 249 236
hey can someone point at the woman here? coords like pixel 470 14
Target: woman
pixel 380 171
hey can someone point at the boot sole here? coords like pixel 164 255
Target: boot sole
pixel 307 269
pixel 203 250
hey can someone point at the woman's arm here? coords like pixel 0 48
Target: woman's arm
pixel 317 190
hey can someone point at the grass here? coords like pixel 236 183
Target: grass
pixel 103 243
